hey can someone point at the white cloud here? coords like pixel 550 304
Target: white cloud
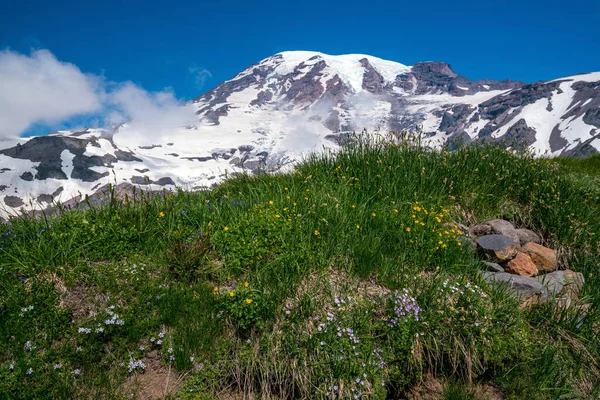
pixel 151 115
pixel 38 88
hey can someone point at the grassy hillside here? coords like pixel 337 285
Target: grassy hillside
pixel 348 278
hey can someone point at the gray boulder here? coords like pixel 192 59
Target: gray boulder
pixel 567 283
pixel 503 227
pixel 491 267
pixel 498 248
pixel 523 286
pixel 525 236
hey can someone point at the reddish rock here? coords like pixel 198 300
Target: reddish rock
pixel 543 257
pixel 521 265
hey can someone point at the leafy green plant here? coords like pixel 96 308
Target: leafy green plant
pixel 244 306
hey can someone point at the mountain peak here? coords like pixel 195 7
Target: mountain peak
pixel 275 111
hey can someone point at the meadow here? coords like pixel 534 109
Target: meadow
pixel 350 277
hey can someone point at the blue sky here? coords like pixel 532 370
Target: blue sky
pixel 159 45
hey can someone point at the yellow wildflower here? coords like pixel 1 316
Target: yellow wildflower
pixel 216 289
pixel 231 294
pixel 373 215
pixel 161 214
pixel 408 229
pixel 395 210
pixel 271 202
pixel 353 205
pixel 226 228
pixel 246 284
pixel 317 233
pixel 357 226
pixel 248 301
pixel 277 216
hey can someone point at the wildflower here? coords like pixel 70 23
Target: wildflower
pixel 395 210
pixel 357 226
pixel 161 214
pixel 142 348
pixel 226 228
pixel 170 350
pixel 277 216
pixel 11 367
pixel 159 342
pixel 248 301
pixel 76 371
pixel 231 294
pixel 29 371
pixel 271 202
pixel 191 359
pixel 408 229
pixel 353 205
pixel 246 284
pixel 317 232
pixel 373 215
pixel 215 290
pixel 57 366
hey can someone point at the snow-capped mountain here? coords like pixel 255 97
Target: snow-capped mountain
pixel 277 110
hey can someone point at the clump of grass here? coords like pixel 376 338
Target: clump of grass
pixel 349 277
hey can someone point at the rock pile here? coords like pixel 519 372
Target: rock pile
pixel 516 257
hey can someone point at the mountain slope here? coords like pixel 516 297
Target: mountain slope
pixel 278 110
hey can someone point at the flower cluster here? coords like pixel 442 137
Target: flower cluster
pixel 404 308
pixel 25 310
pixel 135 364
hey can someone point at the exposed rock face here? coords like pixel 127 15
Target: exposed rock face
pixel 13 201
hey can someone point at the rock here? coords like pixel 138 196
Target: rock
pixel 521 265
pixel 523 286
pixel 503 227
pixel 567 283
pixel 492 267
pixel 526 236
pixel 477 231
pixel 543 257
pixel 498 248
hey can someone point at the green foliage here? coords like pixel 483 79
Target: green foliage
pixel 345 247
pixel 245 306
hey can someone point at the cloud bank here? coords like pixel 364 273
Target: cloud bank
pixel 39 89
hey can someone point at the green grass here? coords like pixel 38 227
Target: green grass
pixel 345 277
